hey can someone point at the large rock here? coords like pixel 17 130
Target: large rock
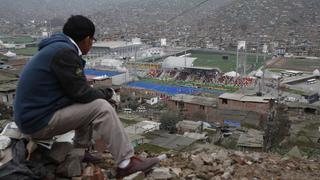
pixel 176 171
pixel 136 176
pixel 71 167
pixel 78 152
pixel 59 151
pixel 226 175
pixel 294 152
pixel 222 155
pixel 161 173
pixel 196 162
pixel 206 158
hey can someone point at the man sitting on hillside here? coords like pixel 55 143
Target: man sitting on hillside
pixel 53 97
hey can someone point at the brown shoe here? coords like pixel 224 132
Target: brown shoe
pixel 137 164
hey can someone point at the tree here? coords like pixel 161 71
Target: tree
pixel 277 126
pixel 169 120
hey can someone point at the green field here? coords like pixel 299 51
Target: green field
pixel 27 51
pixel 211 59
pixel 306 63
pixel 18 39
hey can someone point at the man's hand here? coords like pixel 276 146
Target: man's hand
pixel 114 100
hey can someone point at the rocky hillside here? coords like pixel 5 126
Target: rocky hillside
pixel 226 164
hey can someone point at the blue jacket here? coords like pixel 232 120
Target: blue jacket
pixel 51 80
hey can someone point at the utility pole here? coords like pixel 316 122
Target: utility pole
pixel 257 55
pixel 185 47
pixel 185 51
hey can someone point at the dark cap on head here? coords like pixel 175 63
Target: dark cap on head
pixel 78 28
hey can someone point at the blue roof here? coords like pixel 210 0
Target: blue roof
pixel 171 89
pixel 100 72
pixel 232 123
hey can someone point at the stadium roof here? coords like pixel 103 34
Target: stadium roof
pixel 101 72
pixel 111 44
pixel 172 89
pixel 204 68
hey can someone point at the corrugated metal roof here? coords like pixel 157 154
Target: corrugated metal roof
pixel 231 96
pixel 7 87
pixel 245 98
pixel 252 138
pixel 256 99
pixel 299 78
pixel 206 101
pixel 5 77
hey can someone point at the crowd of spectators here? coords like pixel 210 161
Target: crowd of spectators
pixel 201 77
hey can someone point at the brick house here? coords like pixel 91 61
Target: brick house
pixel 193 107
pixel 8 85
pixel 242 102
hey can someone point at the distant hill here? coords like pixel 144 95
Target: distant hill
pixel 218 20
pixel 286 19
pixel 21 10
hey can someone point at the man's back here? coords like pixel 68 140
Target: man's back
pixel 39 94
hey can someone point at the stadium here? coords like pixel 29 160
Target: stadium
pixel 178 75
pixel 182 70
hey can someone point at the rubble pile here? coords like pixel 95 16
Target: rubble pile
pixel 63 161
pixel 225 164
pixel 60 159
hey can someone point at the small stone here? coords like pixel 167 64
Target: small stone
pixel 226 175
pixel 191 176
pixel 161 173
pixel 196 161
pixel 230 169
pixel 206 158
pixel 222 155
pixel 144 155
pixel 88 171
pixel 176 171
pixel 76 178
pixel 227 163
pixel 239 153
pixel 136 176
pixel 216 178
pixel 203 175
pixel 237 159
pixel 294 152
pixel 244 178
pixel 162 157
pixel 256 157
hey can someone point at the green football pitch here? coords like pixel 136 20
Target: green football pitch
pixel 213 59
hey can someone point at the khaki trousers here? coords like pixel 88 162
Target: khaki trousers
pixel 96 120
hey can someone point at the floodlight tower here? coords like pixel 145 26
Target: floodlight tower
pixel 241 58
